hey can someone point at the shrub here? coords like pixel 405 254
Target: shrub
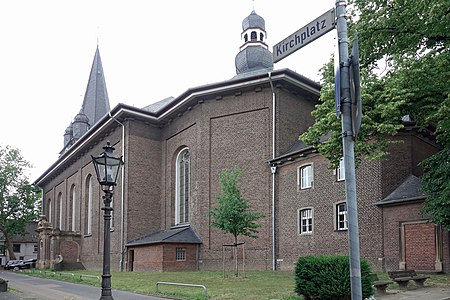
pixel 328 277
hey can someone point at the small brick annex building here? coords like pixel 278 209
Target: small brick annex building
pixel 174 151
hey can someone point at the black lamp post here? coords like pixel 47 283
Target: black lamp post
pixel 107 168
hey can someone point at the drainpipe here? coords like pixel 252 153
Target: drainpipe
pixel 273 169
pixel 122 192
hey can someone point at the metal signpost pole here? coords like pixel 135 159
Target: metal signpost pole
pixel 348 149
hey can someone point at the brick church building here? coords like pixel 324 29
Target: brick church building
pixel 173 152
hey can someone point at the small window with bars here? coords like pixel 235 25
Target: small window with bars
pixel 180 254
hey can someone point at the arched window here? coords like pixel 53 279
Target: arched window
pixel 261 36
pixel 305 177
pixel 73 201
pixel 253 36
pixel 182 187
pixel 50 212
pixel 246 38
pixel 88 215
pixel 60 211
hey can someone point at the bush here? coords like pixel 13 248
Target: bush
pixel 328 277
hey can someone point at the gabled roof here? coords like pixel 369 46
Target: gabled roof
pixel 183 234
pixel 96 101
pixel 409 190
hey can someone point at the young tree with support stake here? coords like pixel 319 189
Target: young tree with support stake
pixel 232 213
pixel 19 200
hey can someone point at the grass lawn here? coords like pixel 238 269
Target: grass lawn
pixel 255 285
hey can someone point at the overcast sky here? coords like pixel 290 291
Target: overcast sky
pixel 150 50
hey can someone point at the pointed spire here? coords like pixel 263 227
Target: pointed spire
pixel 96 101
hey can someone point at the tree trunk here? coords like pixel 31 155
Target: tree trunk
pixel 9 245
pixel 236 266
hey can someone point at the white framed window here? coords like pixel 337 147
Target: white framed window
pixel 305 177
pixel 341 216
pixel 180 254
pixel 340 171
pixel 305 219
pixel 182 188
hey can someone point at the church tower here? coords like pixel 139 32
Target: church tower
pixel 254 55
pixel 95 104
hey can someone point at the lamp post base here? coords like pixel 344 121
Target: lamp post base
pixel 106 287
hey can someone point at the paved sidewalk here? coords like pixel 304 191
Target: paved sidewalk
pixel 423 293
pixel 24 287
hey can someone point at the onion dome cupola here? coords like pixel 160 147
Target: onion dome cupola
pixel 80 125
pixel 254 54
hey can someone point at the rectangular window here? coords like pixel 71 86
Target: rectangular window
pixel 341 216
pixel 35 248
pixel 305 177
pixel 305 221
pixel 180 254
pixel 16 248
pixel 340 172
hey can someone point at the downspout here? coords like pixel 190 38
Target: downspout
pixel 122 203
pixel 273 169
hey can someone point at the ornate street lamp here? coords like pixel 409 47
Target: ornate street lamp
pixel 107 168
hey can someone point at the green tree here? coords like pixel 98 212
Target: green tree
pixel 405 57
pixel 232 213
pixel 19 200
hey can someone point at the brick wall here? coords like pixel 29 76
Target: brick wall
pixel 162 257
pixel 322 198
pixel 420 246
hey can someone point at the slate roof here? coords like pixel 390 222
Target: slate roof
pixel 183 234
pixel 30 236
pixel 409 190
pixel 157 106
pixel 298 147
pixel 96 101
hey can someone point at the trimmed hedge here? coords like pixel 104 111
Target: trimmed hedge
pixel 328 278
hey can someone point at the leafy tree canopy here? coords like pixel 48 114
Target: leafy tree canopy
pixel 19 200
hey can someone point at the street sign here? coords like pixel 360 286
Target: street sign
pixel 355 88
pixel 304 35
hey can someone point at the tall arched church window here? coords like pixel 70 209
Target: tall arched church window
pixel 50 211
pixel 60 212
pixel 182 187
pixel 73 200
pixel 253 36
pixel 88 214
